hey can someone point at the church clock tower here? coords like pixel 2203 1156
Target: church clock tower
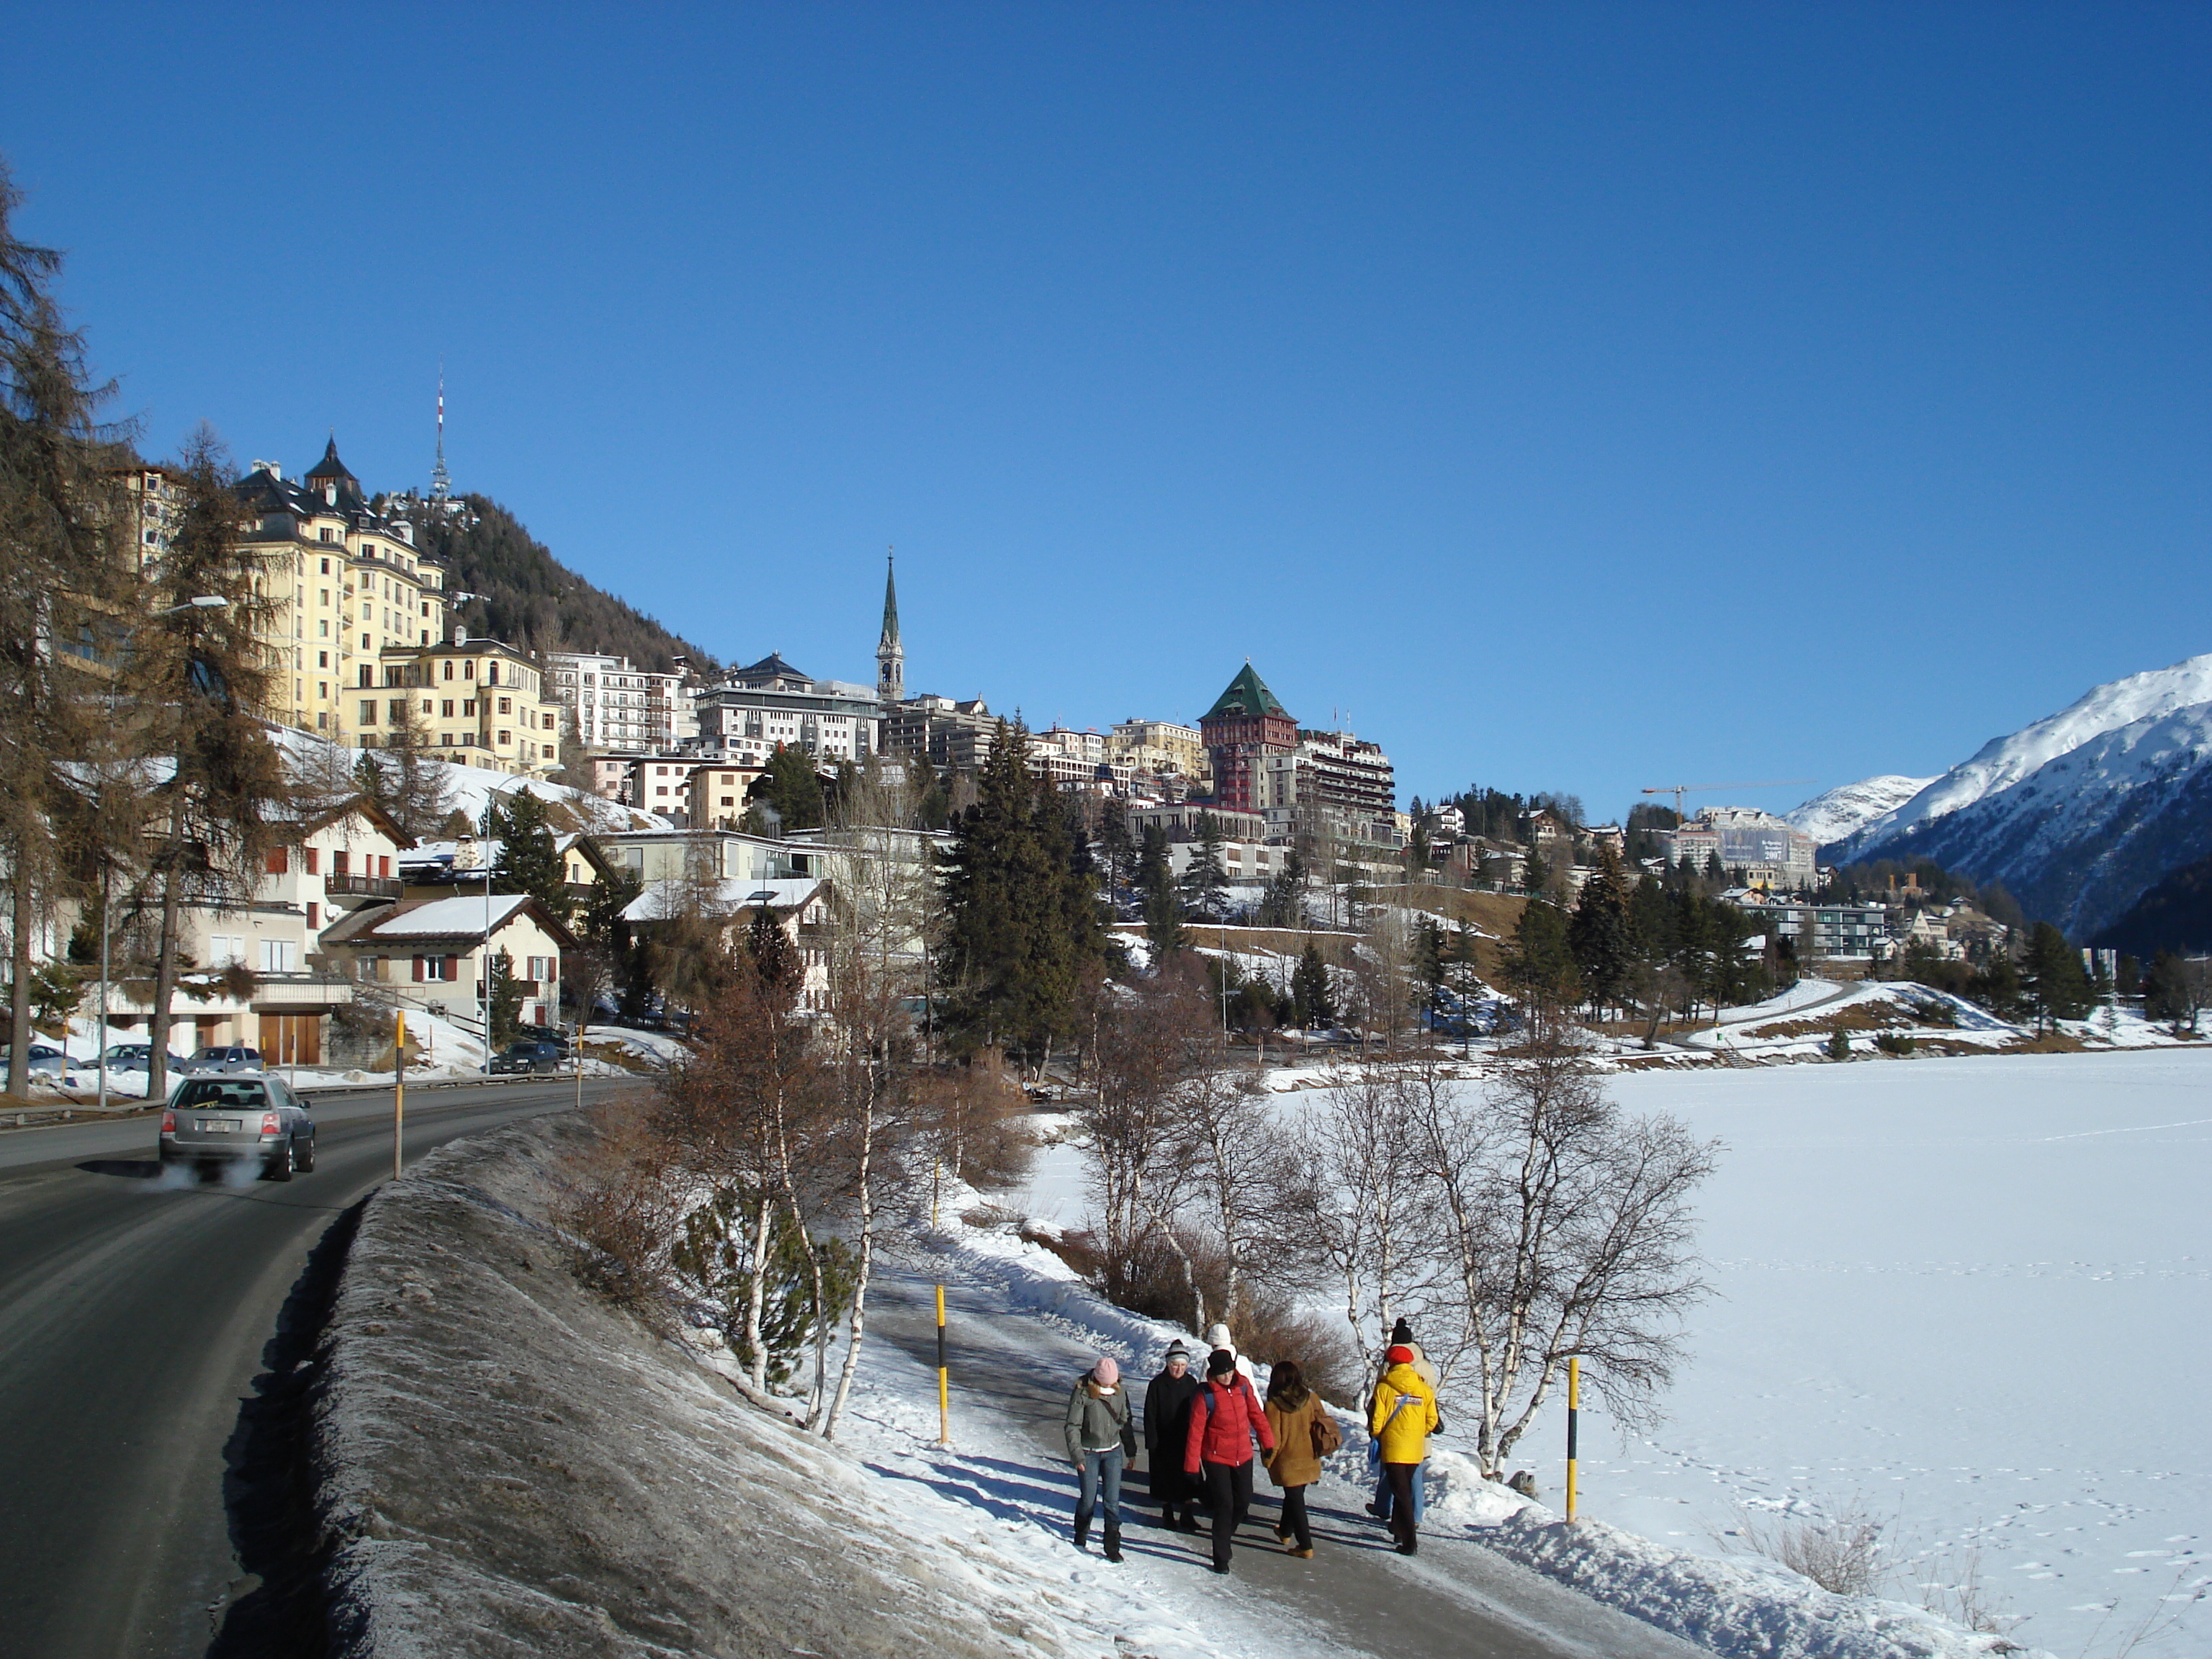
pixel 890 656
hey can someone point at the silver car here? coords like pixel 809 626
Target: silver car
pixel 222 1057
pixel 219 1120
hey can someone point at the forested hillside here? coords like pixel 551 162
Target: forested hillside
pixel 533 600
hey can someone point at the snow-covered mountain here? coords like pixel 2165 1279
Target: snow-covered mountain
pixel 1834 813
pixel 2079 813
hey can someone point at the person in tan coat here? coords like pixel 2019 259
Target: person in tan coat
pixel 1305 1433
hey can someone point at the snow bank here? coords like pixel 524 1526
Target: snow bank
pixel 1745 1607
pixel 504 1465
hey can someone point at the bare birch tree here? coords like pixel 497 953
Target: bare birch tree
pixel 1566 1225
pixel 884 908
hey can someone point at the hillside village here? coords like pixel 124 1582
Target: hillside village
pixel 661 796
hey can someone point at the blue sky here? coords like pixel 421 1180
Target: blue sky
pixel 1575 397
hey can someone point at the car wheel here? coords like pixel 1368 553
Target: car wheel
pixel 305 1165
pixel 280 1167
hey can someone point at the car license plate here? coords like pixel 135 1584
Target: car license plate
pixel 218 1125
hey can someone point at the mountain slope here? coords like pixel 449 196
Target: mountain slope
pixel 2082 833
pixel 1835 813
pixel 2003 763
pixel 2174 915
pixel 533 600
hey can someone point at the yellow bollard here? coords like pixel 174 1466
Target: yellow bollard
pixel 1574 1409
pixel 398 1084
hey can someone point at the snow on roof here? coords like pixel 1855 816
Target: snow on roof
pixel 448 917
pixel 666 899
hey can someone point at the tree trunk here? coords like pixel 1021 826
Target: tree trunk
pixel 856 1326
pixel 165 988
pixel 757 1292
pixel 19 1002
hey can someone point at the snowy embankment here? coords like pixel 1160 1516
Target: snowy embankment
pixel 1743 1608
pixel 505 1465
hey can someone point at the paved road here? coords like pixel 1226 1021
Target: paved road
pixel 1455 1598
pixel 135 1314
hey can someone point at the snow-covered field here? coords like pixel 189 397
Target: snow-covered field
pixel 1971 1296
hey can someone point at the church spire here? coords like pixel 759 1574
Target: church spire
pixel 891 655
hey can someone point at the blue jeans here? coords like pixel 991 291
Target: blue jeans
pixel 1099 1468
pixel 1420 1494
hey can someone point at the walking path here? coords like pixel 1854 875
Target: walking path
pixel 1011 1371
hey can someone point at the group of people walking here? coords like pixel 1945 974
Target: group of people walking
pixel 1199 1434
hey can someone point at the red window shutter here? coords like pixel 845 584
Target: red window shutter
pixel 418 969
pixel 315 860
pixel 337 863
pixel 279 861
pixel 313 913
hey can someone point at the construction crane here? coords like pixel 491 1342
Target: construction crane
pixel 1679 790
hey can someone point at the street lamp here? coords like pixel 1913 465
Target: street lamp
pixel 197 602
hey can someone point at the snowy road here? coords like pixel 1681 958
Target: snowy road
pixel 1011 1372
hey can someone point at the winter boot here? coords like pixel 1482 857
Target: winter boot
pixel 1113 1542
pixel 1082 1533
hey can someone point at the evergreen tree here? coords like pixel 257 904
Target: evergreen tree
pixel 529 861
pixel 1155 887
pixel 1117 852
pixel 2057 986
pixel 1206 878
pixel 414 789
pixel 1428 964
pixel 66 582
pixel 776 959
pixel 790 791
pixel 1540 966
pixel 505 1002
pixel 1599 933
pixel 1310 1002
pixel 1536 872
pixel 1023 927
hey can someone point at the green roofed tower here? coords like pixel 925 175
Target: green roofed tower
pixel 1246 724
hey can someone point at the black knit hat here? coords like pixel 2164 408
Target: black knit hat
pixel 1220 1363
pixel 1401 1332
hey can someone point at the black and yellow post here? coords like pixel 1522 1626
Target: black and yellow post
pixel 1574 1411
pixel 399 1083
pixel 943 1387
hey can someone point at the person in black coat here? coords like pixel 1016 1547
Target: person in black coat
pixel 1167 1425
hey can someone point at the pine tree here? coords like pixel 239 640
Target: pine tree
pixel 1540 966
pixel 1428 964
pixel 791 791
pixel 991 922
pixel 1598 934
pixel 529 860
pixel 2056 985
pixel 1309 997
pixel 1156 885
pixel 504 1005
pixel 66 582
pixel 1206 878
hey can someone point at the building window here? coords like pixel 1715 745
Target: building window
pixel 449 668
pixel 445 739
pixel 506 738
pixel 468 708
pixel 507 705
pixel 278 862
pixel 314 918
pixel 469 670
pixel 446 709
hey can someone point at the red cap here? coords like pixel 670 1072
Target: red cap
pixel 1398 1355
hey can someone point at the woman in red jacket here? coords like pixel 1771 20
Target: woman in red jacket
pixel 1224 1419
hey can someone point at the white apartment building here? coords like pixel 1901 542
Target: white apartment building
pixel 615 705
pixel 771 705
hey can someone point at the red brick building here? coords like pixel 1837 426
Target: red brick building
pixel 1245 724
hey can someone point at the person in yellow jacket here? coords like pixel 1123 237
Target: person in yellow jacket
pixel 1401 1417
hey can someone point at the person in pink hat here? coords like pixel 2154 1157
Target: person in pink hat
pixel 1098 1437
